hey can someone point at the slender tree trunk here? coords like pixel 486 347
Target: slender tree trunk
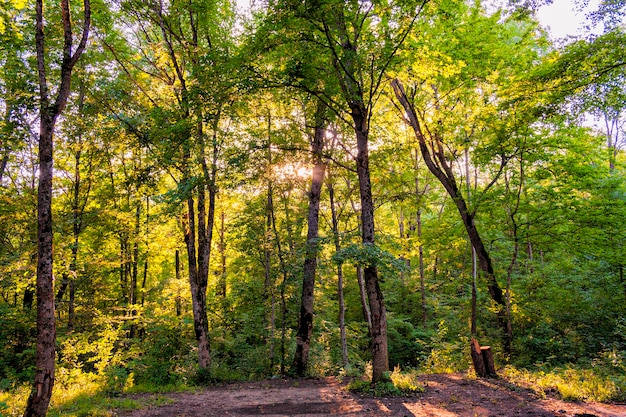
pixel 434 156
pixel 473 319
pixel 41 393
pixel 340 297
pixel 305 322
pixel 421 266
pixel 269 281
pixel 285 273
pixel 365 306
pixel 509 275
pixel 403 239
pixel 145 263
pixel 221 290
pixel 3 164
pixel 178 300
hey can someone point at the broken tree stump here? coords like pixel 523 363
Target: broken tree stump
pixel 482 358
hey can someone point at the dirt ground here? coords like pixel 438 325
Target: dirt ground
pixel 445 396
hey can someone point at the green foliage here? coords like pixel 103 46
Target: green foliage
pixel 370 255
pixel 486 83
pixel 396 383
pixel 448 354
pixel 572 383
pixel 165 361
pixel 408 347
pixel 17 334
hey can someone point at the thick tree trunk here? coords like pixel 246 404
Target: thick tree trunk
pixel 198 296
pixel 305 322
pixel 46 327
pixel 380 355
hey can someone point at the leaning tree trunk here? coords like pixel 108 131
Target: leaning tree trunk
pixel 434 156
pixel 305 323
pixel 41 393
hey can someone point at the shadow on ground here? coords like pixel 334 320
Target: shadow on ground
pixel 445 396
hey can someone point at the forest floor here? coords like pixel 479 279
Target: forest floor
pixel 445 395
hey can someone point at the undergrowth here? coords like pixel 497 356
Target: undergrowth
pixel 396 383
pixel 571 383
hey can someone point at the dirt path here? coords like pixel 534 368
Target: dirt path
pixel 445 396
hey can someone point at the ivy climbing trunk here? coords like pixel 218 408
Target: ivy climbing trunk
pixel 41 393
pixel 305 322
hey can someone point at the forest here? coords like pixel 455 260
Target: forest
pixel 199 191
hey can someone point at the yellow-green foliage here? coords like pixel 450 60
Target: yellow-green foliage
pixel 397 383
pixel 572 384
pixel 76 395
pixel 447 356
pixel 13 401
pixel 406 382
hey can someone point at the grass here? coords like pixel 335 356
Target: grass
pixel 84 395
pixel 397 383
pixel 572 383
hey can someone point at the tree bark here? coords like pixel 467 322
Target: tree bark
pixel 340 297
pixel 305 322
pixel 434 156
pixel 380 355
pixel 221 287
pixel 41 393
pixel 350 74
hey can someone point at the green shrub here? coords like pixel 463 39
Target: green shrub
pixel 17 333
pixel 407 346
pixel 573 383
pixel 394 383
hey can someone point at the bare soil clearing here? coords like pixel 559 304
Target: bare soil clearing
pixel 445 396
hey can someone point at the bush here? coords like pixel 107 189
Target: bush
pixel 573 383
pixel 394 384
pixel 407 346
pixel 17 333
pixel 162 362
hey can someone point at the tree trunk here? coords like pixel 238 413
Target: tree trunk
pixel 41 393
pixel 178 299
pixel 421 266
pixel 305 322
pixel 473 320
pixel 221 287
pixel 380 355
pixel 434 156
pixel 341 302
pixel 269 281
pixel 198 297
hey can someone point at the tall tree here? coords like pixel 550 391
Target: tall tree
pixel 49 111
pixel 305 322
pixel 452 106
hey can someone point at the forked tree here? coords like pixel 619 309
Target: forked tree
pixel 49 111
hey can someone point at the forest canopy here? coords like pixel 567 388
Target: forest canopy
pixel 307 188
